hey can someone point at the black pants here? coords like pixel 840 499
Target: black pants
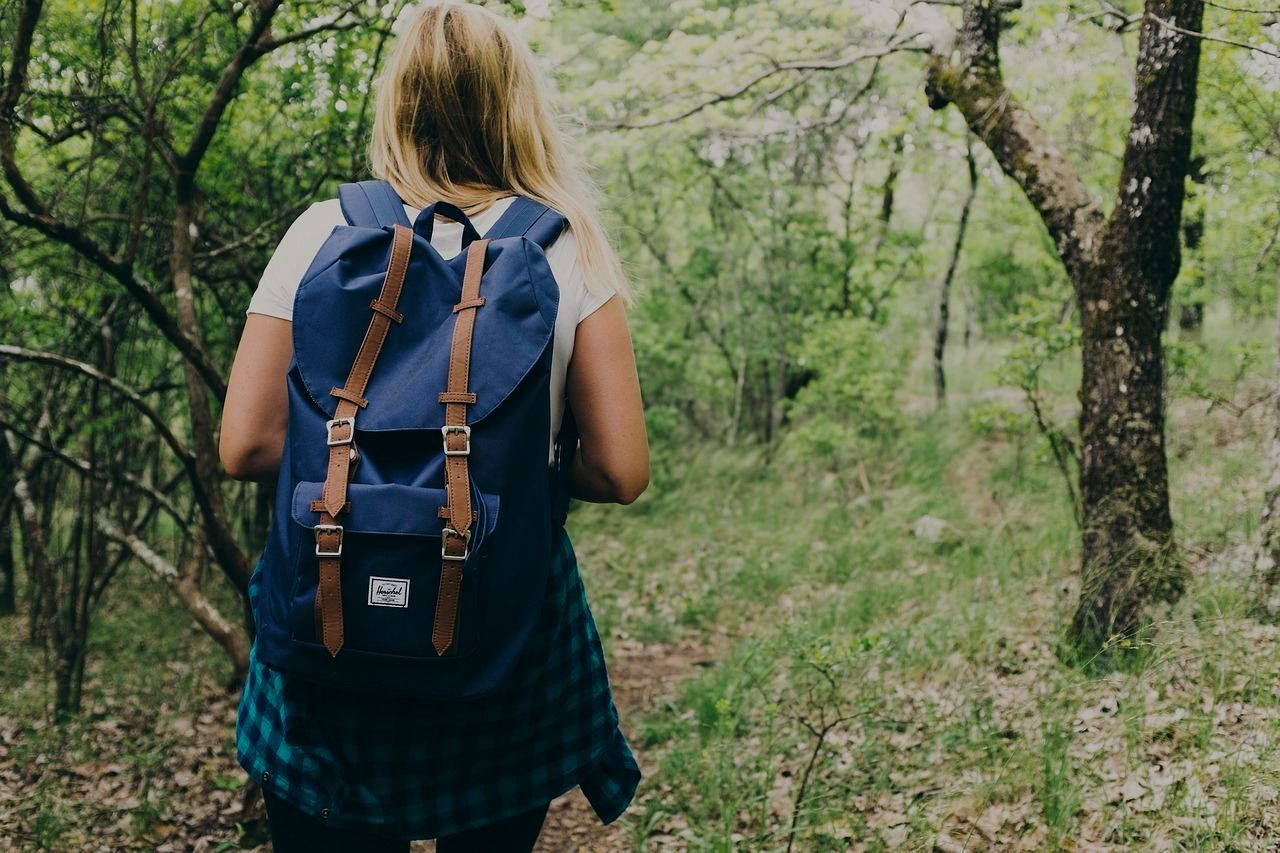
pixel 293 830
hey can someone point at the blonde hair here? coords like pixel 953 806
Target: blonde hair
pixel 462 116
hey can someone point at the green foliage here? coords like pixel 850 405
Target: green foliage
pixel 995 420
pixel 847 414
pixel 1040 338
pixel 1007 274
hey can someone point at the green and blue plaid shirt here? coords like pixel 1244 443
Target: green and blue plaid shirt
pixel 424 768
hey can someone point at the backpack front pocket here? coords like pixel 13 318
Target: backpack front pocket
pixel 390 568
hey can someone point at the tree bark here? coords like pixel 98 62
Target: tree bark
pixel 1122 269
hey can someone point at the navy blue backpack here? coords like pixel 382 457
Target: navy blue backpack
pixel 416 508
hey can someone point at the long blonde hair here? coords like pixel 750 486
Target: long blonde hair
pixel 462 116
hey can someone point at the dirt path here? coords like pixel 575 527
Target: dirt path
pixel 73 789
pixel 641 675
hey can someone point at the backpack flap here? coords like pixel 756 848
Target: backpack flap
pixel 515 326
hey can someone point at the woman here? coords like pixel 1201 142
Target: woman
pixel 461 117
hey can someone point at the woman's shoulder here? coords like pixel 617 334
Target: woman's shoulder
pixel 326 212
pixel 577 298
pixel 293 254
pixel 310 227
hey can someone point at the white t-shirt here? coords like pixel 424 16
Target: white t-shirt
pixel 283 273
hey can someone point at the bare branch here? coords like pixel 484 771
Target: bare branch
pixel 122 390
pixel 38 219
pixel 900 45
pixel 225 633
pixel 1244 9
pixel 83 468
pixel 250 51
pixel 1172 27
pixel 335 24
pixel 1024 150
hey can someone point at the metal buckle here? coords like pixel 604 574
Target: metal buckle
pixel 336 422
pixel 462 428
pixel 321 529
pixel 465 537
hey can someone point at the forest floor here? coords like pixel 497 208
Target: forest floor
pixel 801 655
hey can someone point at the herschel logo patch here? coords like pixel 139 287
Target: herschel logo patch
pixel 389 592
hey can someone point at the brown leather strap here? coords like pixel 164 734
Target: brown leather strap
pixel 468 303
pixel 343 394
pixel 386 309
pixel 341 436
pixel 456 537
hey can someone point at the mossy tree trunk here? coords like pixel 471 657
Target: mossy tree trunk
pixel 1122 268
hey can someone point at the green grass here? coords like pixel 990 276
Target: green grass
pixel 963 721
pixel 838 679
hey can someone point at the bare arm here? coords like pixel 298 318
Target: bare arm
pixel 612 462
pixel 256 413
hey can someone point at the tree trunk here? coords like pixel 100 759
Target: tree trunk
pixel 1130 556
pixel 1267 570
pixel 1122 269
pixel 1191 309
pixel 943 314
pixel 8 565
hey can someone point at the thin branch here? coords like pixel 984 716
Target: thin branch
pixel 83 467
pixel 1227 8
pixel 336 24
pixel 124 391
pixel 250 51
pixel 902 45
pixel 226 634
pixel 1172 27
pixel 37 219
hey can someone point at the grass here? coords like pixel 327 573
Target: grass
pixel 838 679
pixel 964 727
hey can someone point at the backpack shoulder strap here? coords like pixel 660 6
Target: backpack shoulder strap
pixel 341 438
pixel 455 537
pixel 528 218
pixel 372 204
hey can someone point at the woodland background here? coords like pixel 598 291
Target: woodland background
pixel 958 344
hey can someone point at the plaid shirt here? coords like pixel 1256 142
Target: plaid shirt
pixel 420 769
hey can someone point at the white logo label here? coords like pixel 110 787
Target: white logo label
pixel 389 592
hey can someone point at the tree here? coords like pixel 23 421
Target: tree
pixel 1122 268
pixel 146 205
pixel 943 313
